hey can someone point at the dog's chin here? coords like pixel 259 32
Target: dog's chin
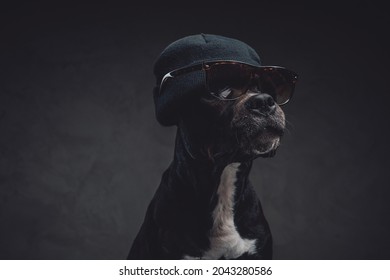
pixel 264 145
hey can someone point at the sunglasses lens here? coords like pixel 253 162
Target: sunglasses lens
pixel 278 82
pixel 228 81
pixel 231 80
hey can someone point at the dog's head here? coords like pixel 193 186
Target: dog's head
pixel 226 105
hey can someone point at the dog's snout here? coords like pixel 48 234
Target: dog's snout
pixel 262 103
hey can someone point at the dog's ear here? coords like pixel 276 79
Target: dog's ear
pixel 165 108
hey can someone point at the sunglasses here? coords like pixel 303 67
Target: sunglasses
pixel 228 80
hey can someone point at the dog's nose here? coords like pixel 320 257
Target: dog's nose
pixel 262 103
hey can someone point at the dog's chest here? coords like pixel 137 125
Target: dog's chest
pixel 225 241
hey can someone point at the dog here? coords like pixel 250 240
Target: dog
pixel 205 206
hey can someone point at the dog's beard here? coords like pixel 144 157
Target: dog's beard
pixel 263 143
pixel 258 135
pixel 248 138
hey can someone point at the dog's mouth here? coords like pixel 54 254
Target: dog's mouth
pixel 272 130
pixel 267 141
pixel 260 137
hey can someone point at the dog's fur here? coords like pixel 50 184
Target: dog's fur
pixel 205 206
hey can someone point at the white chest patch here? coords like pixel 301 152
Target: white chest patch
pixel 225 241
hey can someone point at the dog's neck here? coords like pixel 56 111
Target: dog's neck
pixel 213 189
pixel 200 175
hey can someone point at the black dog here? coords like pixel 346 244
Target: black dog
pixel 205 206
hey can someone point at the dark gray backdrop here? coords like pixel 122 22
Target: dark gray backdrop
pixel 81 153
